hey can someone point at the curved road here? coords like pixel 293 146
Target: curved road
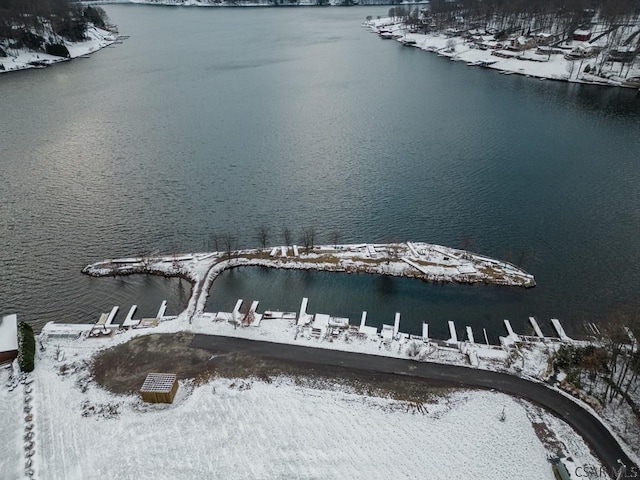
pixel 589 427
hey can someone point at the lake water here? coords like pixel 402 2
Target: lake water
pixel 216 120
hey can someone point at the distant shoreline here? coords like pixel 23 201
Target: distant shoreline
pixel 529 63
pixel 231 4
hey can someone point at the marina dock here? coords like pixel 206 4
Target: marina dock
pixel 536 327
pixel 105 325
pixel 315 325
pixel 324 325
pixel 561 333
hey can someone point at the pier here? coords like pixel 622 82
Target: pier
pixel 536 327
pixel 556 324
pixel 470 335
pixel 452 331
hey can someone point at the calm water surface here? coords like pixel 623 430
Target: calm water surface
pixel 223 119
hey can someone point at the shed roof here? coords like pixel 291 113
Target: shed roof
pixel 9 333
pixel 158 382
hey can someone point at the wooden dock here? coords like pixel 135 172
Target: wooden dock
pixel 453 335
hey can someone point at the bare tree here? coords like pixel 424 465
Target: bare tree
pixel 623 362
pixel 393 249
pixel 248 319
pixel 229 242
pixel 312 236
pixel 214 242
pixel 335 238
pixel 308 237
pixel 262 235
pixel 468 242
pixel 286 236
pixel 305 240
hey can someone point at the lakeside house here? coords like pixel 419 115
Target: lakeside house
pixel 546 38
pixel 581 35
pixel 8 338
pixel 522 43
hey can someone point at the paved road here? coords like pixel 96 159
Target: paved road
pixel 589 427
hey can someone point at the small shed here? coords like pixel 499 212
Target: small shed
pixel 8 338
pixel 159 388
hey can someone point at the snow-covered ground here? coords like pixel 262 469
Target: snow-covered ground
pixel 319 419
pixel 11 429
pixel 251 429
pixel 23 59
pixel 553 67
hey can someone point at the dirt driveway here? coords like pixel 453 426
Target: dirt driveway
pixel 123 368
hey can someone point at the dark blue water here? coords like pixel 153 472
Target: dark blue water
pixel 220 120
pixel 348 295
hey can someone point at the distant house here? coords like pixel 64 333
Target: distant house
pixel 522 43
pixel 8 338
pixel 581 35
pixel 580 52
pixel 545 38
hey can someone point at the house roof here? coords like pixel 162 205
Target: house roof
pixel 9 333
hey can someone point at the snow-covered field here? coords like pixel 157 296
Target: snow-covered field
pixel 22 59
pixel 251 429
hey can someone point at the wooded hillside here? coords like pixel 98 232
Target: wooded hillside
pixel 32 23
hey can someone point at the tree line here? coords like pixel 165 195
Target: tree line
pixel 608 370
pixel 522 16
pixel 264 234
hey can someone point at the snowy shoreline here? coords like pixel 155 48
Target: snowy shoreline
pixel 549 66
pixel 23 59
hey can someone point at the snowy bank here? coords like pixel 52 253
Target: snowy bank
pixel 22 59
